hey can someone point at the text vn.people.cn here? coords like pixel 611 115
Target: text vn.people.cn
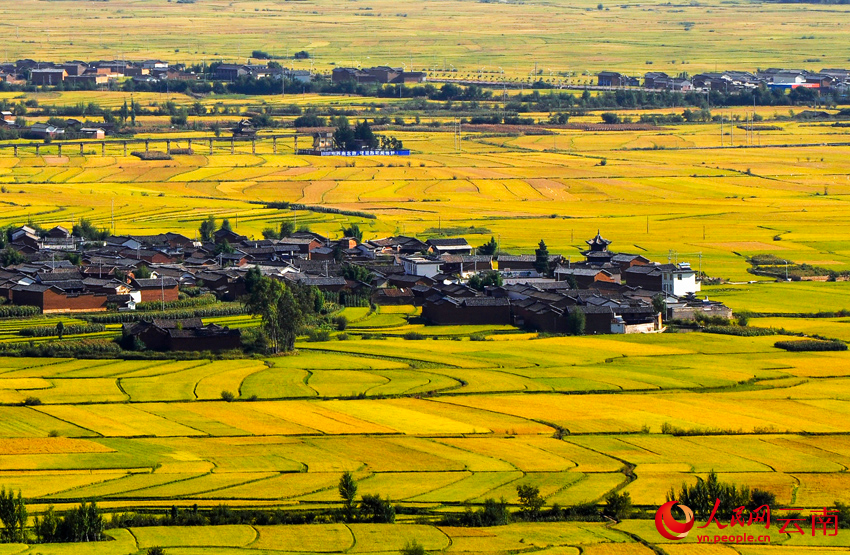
pixel 819 521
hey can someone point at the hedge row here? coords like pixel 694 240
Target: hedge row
pixel 811 345
pixel 739 331
pixel 14 311
pixel 202 300
pixel 329 210
pixel 123 317
pixel 74 349
pixel 48 331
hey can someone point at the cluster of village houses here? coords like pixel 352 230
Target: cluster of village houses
pixel 614 291
pixel 730 81
pixel 91 74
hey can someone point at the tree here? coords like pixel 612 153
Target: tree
pixel 495 513
pixel 355 272
pixel 142 272
pixel 375 509
pixel 124 112
pixel 576 322
pixel 617 506
pixel 353 231
pixel 529 498
pixel 843 514
pixel 60 329
pixel 658 304
pixel 344 137
pixel 252 278
pixel 156 550
pixel 701 497
pixel 225 225
pixel 11 257
pixel 364 137
pixel 610 117
pixel 46 527
pixel 309 120
pixel 281 314
pixel 287 228
pixel 759 498
pixel 181 117
pixel 488 248
pixel 348 492
pixel 13 515
pixel 86 230
pixel 83 524
pixel 207 229
pixel 487 279
pixel 271 233
pixel 541 263
pixel 224 248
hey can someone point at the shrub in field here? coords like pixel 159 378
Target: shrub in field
pixel 221 309
pixel 375 509
pixel 617 506
pixel 201 300
pixel 341 323
pixel 49 331
pixel 32 401
pixel 228 396
pixel 413 548
pixel 413 336
pixel 739 331
pixel 151 155
pixel 493 513
pixel 811 345
pixel 156 551
pixel 318 335
pixel 12 311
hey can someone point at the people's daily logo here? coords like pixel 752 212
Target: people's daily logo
pixel 668 526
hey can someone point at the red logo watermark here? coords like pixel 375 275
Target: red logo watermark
pixel 671 528
pixel 823 520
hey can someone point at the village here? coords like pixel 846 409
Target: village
pixel 452 281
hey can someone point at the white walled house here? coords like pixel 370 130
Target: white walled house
pixel 679 280
pixel 419 266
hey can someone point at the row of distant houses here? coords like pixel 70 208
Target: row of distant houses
pixel 379 74
pixel 102 72
pixel 730 81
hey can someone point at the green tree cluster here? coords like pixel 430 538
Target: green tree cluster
pixel 701 497
pixel 486 279
pixel 13 515
pixel 488 248
pixel 282 316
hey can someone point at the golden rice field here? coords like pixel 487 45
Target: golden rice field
pixel 433 424
pixel 712 206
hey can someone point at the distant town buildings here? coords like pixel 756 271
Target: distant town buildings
pixel 730 81
pixel 381 74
